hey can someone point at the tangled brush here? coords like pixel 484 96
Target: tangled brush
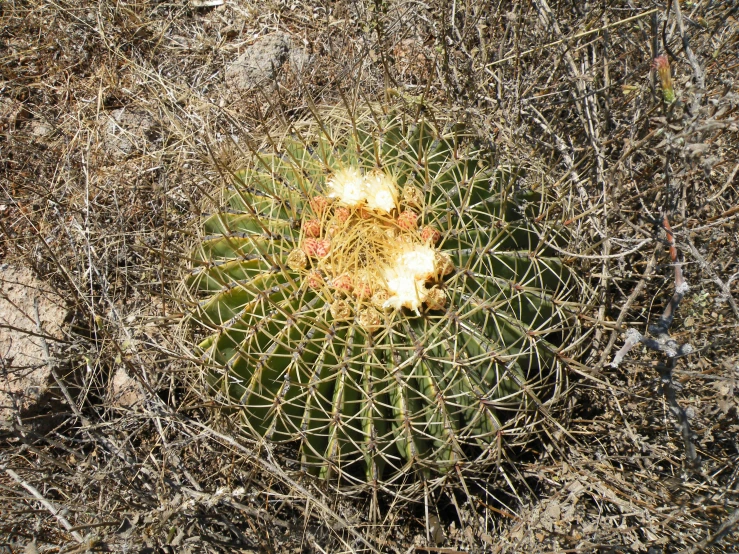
pixel 378 290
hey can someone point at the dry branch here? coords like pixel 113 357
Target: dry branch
pixel 46 504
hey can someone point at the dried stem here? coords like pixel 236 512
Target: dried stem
pixel 46 504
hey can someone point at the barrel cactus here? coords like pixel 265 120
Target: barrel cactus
pixel 377 289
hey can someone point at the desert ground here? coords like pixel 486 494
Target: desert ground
pixel 117 119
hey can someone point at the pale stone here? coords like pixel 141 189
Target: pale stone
pixel 125 392
pixel 25 375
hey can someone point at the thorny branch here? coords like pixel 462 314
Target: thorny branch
pixel 659 340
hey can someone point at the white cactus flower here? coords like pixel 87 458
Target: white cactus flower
pixel 382 192
pixel 406 278
pixel 347 185
pixel 378 190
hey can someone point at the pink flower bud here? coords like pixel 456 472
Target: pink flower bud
pixel 319 204
pixel 429 234
pixel 343 282
pixel 408 220
pixel 316 248
pixel 312 228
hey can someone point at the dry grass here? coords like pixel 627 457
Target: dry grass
pixel 105 221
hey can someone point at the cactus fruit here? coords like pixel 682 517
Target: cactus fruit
pixel 378 290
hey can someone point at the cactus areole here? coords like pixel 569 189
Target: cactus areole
pixel 379 290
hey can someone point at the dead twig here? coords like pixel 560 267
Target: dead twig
pixel 52 367
pixel 724 287
pixel 619 322
pixel 700 80
pixel 724 529
pixel 46 504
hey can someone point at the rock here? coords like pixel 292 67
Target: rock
pixel 126 132
pixel 259 64
pixel 125 392
pixel 25 377
pixel 41 129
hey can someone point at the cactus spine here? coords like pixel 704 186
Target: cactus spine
pixel 375 288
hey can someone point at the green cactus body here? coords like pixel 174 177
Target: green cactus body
pixel 375 289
